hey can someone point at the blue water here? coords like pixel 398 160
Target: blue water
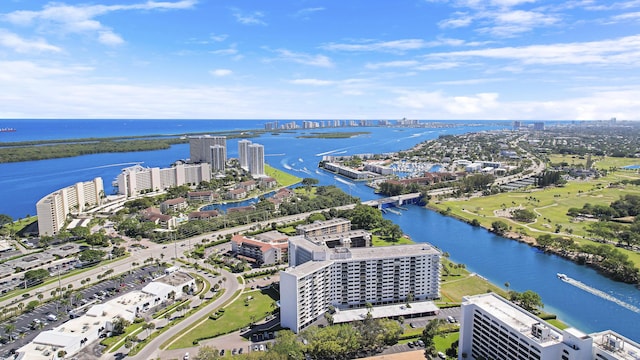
pixel 631 167
pixel 500 260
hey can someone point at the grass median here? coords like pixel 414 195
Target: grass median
pixel 252 306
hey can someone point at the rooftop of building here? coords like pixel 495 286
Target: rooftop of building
pixel 321 239
pixel 175 201
pixel 513 316
pixel 67 335
pixel 273 236
pixel 322 224
pixel 385 311
pixel 176 278
pixel 307 268
pixel 616 344
pixel 382 252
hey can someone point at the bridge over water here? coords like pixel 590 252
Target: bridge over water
pixel 397 200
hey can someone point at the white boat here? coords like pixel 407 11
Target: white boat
pixel 562 277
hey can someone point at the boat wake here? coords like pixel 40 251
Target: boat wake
pixel 344 181
pixel 600 293
pixel 114 165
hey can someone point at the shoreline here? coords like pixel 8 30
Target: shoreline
pixel 532 242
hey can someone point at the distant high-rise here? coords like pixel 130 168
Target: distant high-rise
pixel 243 153
pixel 256 159
pixel 218 158
pixel 199 147
pixel 538 126
pixel 516 125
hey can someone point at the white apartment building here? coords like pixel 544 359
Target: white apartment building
pixel 243 153
pixel 52 210
pixel 256 159
pixel 493 328
pixel 136 179
pixel 218 158
pixel 350 278
pixel 199 147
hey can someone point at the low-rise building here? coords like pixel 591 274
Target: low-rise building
pixel 261 250
pixel 174 205
pixel 237 194
pixel 267 182
pixel 203 215
pixel 202 196
pixel 155 216
pixel 333 226
pixel 76 334
pixel 170 286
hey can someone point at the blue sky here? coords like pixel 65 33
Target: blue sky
pixel 310 59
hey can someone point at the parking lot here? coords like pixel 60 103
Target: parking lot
pixel 46 317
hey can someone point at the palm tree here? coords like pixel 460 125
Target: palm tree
pixel 9 328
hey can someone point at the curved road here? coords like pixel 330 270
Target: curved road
pixel 152 349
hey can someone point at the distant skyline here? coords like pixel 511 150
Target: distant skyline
pixel 310 59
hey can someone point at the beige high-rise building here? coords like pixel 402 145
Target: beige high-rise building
pixel 52 210
pixel 135 180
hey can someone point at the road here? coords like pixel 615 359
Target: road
pixel 152 350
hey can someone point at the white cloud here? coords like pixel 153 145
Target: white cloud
pixel 16 72
pixel 221 72
pixel 254 18
pixel 20 45
pixel 392 64
pixel 510 3
pixel 470 81
pixel 627 16
pixel 500 18
pixel 218 37
pixel 305 13
pixel 454 105
pixel 623 50
pixel 312 82
pixel 109 38
pixel 59 17
pixel 384 46
pixel 228 51
pixel 439 65
pixel 306 59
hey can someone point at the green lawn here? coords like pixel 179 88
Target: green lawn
pixel 377 240
pixel 236 316
pixel 550 204
pixel 444 342
pixel 283 178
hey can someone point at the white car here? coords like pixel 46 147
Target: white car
pixel 186 356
